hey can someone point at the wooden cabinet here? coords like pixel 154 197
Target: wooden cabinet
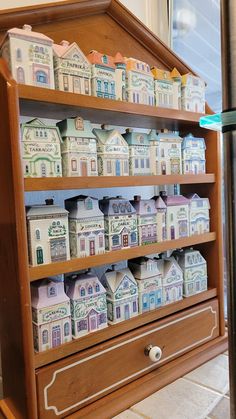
pixel 104 372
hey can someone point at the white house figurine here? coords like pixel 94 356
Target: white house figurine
pixel 194 269
pixel 170 159
pixel 172 280
pixel 164 88
pixel 139 82
pixel 193 93
pixel 177 216
pixel 193 155
pixel 139 152
pixel 199 214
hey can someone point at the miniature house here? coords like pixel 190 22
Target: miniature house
pixel 177 79
pixel 177 216
pixel 48 237
pixel 139 152
pixel 120 223
pixel 79 149
pixel 108 75
pixel 139 82
pixel 199 214
pixel 50 314
pixel 41 149
pixel 161 218
pixel 194 269
pixel 163 88
pixel 193 155
pixel 88 303
pixel 149 279
pixel 170 160
pixel 153 139
pixel 29 56
pixel 193 93
pixel 86 226
pixel 172 280
pixel 112 152
pixel 147 220
pixel 72 69
pixel 122 295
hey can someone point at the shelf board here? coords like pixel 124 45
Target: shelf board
pixel 44 358
pixel 60 183
pixel 73 265
pixel 55 104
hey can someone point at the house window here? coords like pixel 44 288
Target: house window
pixel 113 88
pixel 36 133
pixel 105 59
pixel 136 163
pixel 115 208
pixel 45 337
pixel 115 240
pixel 134 306
pixel 27 169
pixel 66 329
pixel 52 291
pixel 106 86
pixel 148 208
pixel 102 318
pixel 147 163
pixel 79 123
pixel 108 166
pixel 82 292
pixel 162 152
pixel 74 165
pixel 58 168
pixel 20 75
pixel 18 55
pixel 99 85
pixel 41 133
pixel 82 325
pixel 126 167
pixel 172 217
pixel 118 312
pixel 41 77
pixel 82 245
pixel 45 134
pixel 93 165
pixel 37 234
pixel 90 289
pixel 100 238
pixel 89 204
pixel 142 163
pixel 97 288
pixel 86 86
pixel 133 237
pixel 65 83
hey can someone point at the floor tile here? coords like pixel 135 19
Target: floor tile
pixel 221 410
pixel 213 374
pixel 182 399
pixel 128 414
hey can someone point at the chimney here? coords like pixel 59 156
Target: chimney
pixel 27 28
pixel 137 198
pixel 49 201
pixel 64 43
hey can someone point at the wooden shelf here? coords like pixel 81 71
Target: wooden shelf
pixel 44 358
pixel 73 265
pixel 59 183
pixel 54 104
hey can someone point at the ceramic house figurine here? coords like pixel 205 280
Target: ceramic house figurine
pixel 177 216
pixel 199 214
pixel 86 226
pixel 29 56
pixel 177 79
pixel 72 69
pixel 147 220
pixel 170 160
pixel 88 303
pixel 194 269
pixel 193 93
pixel 163 87
pixel 139 152
pixel 50 314
pixel 172 280
pixel 48 237
pixel 193 155
pixel 120 223
pixel 122 295
pixel 149 279
pixel 161 218
pixel 112 152
pixel 79 149
pixel 153 139
pixel 41 149
pixel 139 82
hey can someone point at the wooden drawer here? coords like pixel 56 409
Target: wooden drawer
pixel 69 384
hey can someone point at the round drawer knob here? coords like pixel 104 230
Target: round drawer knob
pixel 154 353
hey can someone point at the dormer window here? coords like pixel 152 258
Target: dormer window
pixel 82 292
pixel 105 59
pixel 52 291
pixel 97 288
pixel 37 234
pixel 89 204
pixel 79 123
pixel 18 54
pixel 148 208
pixel 90 289
pixel 126 283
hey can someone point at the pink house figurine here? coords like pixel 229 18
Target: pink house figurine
pixel 161 218
pixel 50 314
pixel 86 226
pixel 172 280
pixel 120 223
pixel 72 69
pixel 177 216
pixel 48 235
pixel 149 279
pixel 147 220
pixel 79 149
pixel 122 295
pixel 29 56
pixel 88 303
pixel 139 152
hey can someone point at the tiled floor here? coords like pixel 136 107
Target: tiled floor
pixel 201 394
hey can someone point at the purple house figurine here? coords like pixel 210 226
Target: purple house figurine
pixel 147 220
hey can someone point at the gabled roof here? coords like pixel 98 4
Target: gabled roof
pixel 173 200
pixel 64 49
pixel 190 258
pixel 113 279
pixel 159 203
pixel 68 128
pixel 116 206
pixel 162 75
pixel 134 64
pixel 136 138
pixel 175 74
pixel 189 140
pixel 37 123
pixel 144 206
pixel 169 263
pixel 195 197
pixel 187 79
pixel 105 136
pixel 96 57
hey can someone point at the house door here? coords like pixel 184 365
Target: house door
pixel 127 315
pixel 152 300
pixel 84 168
pixel 39 255
pixel 125 240
pixel 56 336
pixel 195 169
pixel 117 167
pixel 76 85
pixel 92 322
pixel 92 247
pixel 172 232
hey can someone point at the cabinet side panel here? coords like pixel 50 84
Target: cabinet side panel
pixel 15 312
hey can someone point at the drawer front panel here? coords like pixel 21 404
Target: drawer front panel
pixel 80 379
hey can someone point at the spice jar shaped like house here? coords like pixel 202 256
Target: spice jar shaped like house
pixel 147 220
pixel 194 269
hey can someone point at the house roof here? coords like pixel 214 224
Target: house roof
pixel 136 138
pixel 113 279
pixel 160 204
pixel 189 78
pixel 173 200
pixel 144 267
pixel 189 140
pixel 133 64
pixel 78 211
pixel 63 49
pixel 190 258
pixel 37 123
pixel 68 128
pixel 168 264
pixel 162 75
pixel 105 136
pixel 27 33
pixel 44 210
pixel 169 136
pixel 39 293
pixel 116 206
pixel 74 283
pixel 144 206
pixel 96 57
pixel 119 59
pixel 153 136
pixel 175 74
pixel 195 197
